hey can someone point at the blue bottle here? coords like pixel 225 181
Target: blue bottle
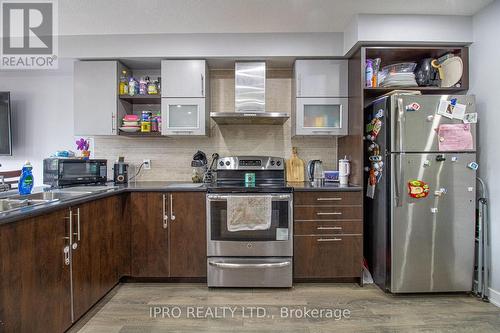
pixel 26 181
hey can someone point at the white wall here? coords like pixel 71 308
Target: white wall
pixel 42 116
pixel 485 83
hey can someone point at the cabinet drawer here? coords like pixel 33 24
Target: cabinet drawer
pixel 327 256
pixel 328 213
pixel 327 227
pixel 328 198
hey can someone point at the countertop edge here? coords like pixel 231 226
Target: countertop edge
pixel 35 211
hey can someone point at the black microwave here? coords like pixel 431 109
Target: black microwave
pixel 61 172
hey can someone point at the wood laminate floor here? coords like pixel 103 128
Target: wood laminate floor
pixel 130 308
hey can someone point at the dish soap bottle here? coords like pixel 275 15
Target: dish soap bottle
pixel 26 181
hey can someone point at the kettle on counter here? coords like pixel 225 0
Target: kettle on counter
pixel 314 170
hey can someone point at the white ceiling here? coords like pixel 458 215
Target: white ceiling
pixel 81 17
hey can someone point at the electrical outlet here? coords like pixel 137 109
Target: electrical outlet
pixel 147 164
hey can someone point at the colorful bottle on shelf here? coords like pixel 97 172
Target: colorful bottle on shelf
pixel 26 181
pixel 369 73
pixel 133 87
pixel 143 85
pixel 124 83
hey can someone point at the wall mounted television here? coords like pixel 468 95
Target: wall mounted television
pixel 5 124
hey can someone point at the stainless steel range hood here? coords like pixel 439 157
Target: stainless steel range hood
pixel 250 98
pixel 250 87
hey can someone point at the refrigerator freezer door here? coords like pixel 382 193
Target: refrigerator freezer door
pixel 414 121
pixel 433 237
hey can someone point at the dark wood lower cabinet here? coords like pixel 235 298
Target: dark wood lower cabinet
pixel 328 235
pixel 328 256
pixel 168 234
pixel 149 238
pixel 94 263
pixel 34 278
pixel 187 235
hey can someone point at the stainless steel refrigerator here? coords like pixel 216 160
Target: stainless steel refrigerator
pixel 421 238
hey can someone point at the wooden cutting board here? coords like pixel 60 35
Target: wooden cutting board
pixel 295 168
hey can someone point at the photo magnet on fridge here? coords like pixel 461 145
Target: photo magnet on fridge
pixel 451 109
pixel 470 118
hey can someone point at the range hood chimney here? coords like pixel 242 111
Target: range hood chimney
pixel 250 86
pixel 250 98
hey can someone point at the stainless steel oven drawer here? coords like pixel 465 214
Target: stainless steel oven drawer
pixel 275 272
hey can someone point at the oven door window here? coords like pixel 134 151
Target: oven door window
pixel 278 231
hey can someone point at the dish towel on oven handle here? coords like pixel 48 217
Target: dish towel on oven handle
pixel 249 212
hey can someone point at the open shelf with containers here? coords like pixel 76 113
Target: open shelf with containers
pixel 391 55
pixel 139 102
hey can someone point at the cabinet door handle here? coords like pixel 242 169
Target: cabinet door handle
pixel 329 199
pixel 329 228
pixel 321 132
pixel 329 239
pixel 77 233
pixel 299 84
pixel 172 216
pixel 113 123
pixel 66 249
pixel 332 213
pixel 202 85
pixel 165 215
pixel 182 132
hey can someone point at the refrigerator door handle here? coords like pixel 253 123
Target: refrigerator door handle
pixel 401 124
pixel 398 181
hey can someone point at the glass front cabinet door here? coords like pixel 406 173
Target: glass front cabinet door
pixel 321 116
pixel 183 116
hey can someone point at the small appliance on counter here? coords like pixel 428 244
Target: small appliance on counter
pixel 315 172
pixel 199 164
pixel 61 172
pixel 344 171
pixel 120 172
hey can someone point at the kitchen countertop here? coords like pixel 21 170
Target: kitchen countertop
pixel 151 186
pixel 327 186
pixel 32 211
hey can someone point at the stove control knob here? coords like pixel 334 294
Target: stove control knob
pixel 221 163
pixel 278 163
pixel 272 163
pixel 227 163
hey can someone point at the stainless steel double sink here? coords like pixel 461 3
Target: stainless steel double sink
pixel 16 202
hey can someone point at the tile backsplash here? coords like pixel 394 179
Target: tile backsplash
pixel 171 157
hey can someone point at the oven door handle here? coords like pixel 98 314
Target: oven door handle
pixel 233 265
pixel 226 196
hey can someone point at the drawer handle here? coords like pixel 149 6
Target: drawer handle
pixel 329 239
pixel 329 199
pixel 264 265
pixel 329 228
pixel 332 213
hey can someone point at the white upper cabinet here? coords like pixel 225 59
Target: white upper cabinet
pixel 183 116
pixel 184 78
pixel 321 78
pixel 96 107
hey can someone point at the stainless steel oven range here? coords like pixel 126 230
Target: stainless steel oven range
pixel 250 258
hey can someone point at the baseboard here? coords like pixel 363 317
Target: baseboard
pixel 494 297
